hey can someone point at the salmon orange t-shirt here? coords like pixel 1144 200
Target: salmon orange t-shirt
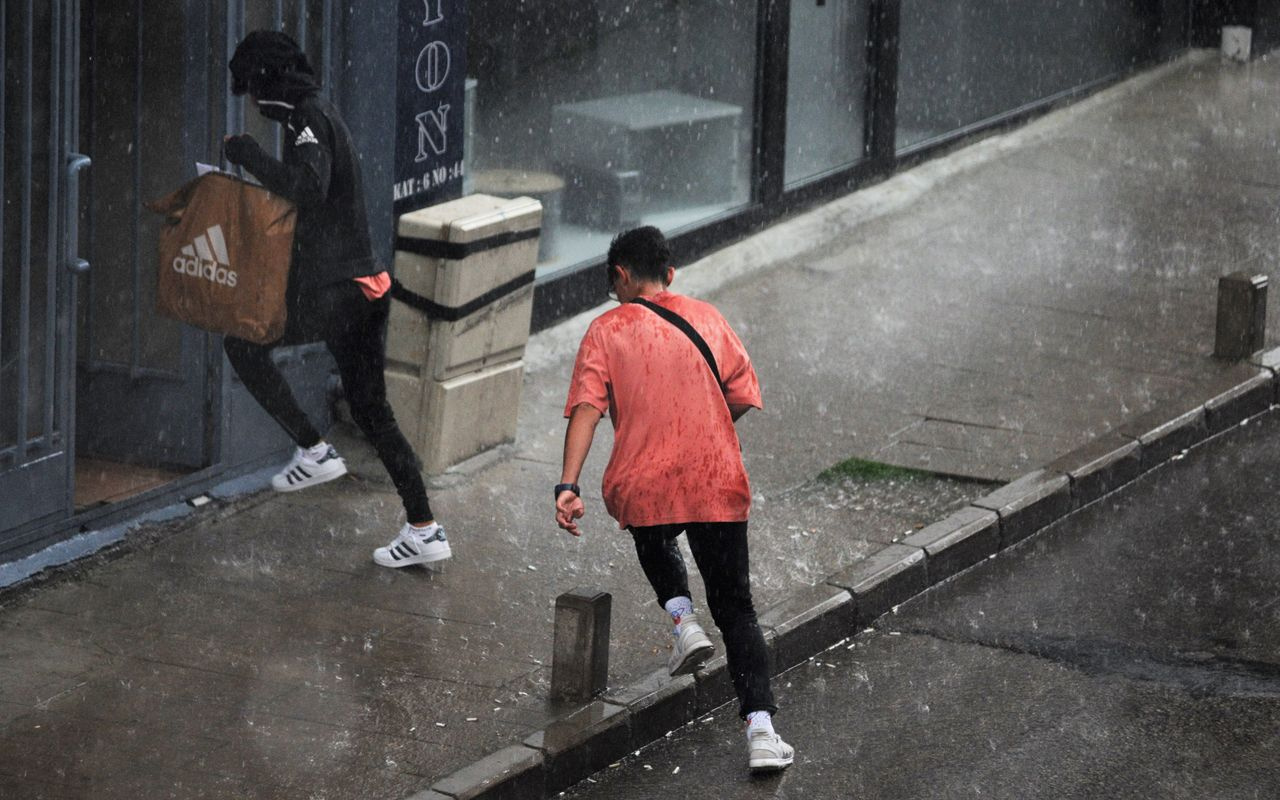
pixel 676 456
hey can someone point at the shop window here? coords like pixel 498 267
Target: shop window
pixel 612 112
pixel 966 61
pixel 826 87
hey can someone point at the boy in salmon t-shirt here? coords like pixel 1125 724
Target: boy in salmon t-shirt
pixel 676 465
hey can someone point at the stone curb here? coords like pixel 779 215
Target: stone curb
pixel 627 718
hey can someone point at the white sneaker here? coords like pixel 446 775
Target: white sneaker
pixel 414 546
pixel 304 471
pixel 766 752
pixel 690 648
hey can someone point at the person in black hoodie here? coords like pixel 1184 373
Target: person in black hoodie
pixel 336 293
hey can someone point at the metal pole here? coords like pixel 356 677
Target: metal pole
pixel 49 386
pixel 135 343
pixel 24 244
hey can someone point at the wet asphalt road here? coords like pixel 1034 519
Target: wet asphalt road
pixel 1130 651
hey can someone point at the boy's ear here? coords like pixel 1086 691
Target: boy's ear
pixel 670 276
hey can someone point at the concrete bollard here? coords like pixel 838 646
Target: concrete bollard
pixel 455 383
pixel 1237 43
pixel 580 654
pixel 1242 316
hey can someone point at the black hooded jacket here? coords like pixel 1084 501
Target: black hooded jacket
pixel 319 172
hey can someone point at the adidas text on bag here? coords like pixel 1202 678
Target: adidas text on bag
pixel 207 258
pixel 224 255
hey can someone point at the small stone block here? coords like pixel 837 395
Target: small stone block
pixel 1242 316
pixel 1100 467
pixel 580 651
pixel 809 622
pixel 956 543
pixel 509 774
pixel 658 703
pixel 428 794
pixel 1245 391
pixel 1028 504
pixel 883 579
pixel 1165 431
pixel 714 685
pixel 586 741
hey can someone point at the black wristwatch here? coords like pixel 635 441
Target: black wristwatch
pixel 567 487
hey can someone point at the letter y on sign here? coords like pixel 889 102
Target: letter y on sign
pixel 434 12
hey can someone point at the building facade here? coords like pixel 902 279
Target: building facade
pixel 706 117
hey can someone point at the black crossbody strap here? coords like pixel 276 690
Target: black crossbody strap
pixel 683 324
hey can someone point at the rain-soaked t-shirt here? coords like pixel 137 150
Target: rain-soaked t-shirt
pixel 676 456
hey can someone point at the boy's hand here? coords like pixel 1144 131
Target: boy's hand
pixel 241 148
pixel 569 507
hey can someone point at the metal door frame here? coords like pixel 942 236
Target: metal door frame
pixel 36 472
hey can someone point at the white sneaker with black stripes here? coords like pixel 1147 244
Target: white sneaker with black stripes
pixel 414 546
pixel 305 469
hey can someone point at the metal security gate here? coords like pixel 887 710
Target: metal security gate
pixel 40 261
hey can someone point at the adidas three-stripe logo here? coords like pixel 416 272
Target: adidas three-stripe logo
pixel 206 257
pixel 306 137
pixel 297 475
pixel 402 550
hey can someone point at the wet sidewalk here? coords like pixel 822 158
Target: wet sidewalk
pixel 978 316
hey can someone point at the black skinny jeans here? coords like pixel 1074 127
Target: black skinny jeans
pixel 354 329
pixel 720 551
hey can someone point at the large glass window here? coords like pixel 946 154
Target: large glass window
pixel 613 113
pixel 826 86
pixel 965 61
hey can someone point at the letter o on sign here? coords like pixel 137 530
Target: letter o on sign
pixel 433 66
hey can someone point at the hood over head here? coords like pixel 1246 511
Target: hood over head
pixel 270 66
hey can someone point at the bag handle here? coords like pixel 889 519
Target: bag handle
pixel 683 324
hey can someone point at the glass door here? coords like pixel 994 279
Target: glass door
pixel 143 409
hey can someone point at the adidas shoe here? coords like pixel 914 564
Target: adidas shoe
pixel 690 648
pixel 304 471
pixel 414 546
pixel 766 752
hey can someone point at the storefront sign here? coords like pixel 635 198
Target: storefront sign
pixel 430 99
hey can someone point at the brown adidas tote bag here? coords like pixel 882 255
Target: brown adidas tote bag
pixel 225 249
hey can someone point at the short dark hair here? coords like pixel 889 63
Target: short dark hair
pixel 644 251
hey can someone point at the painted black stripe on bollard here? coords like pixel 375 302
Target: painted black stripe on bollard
pixel 456 251
pixel 439 311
